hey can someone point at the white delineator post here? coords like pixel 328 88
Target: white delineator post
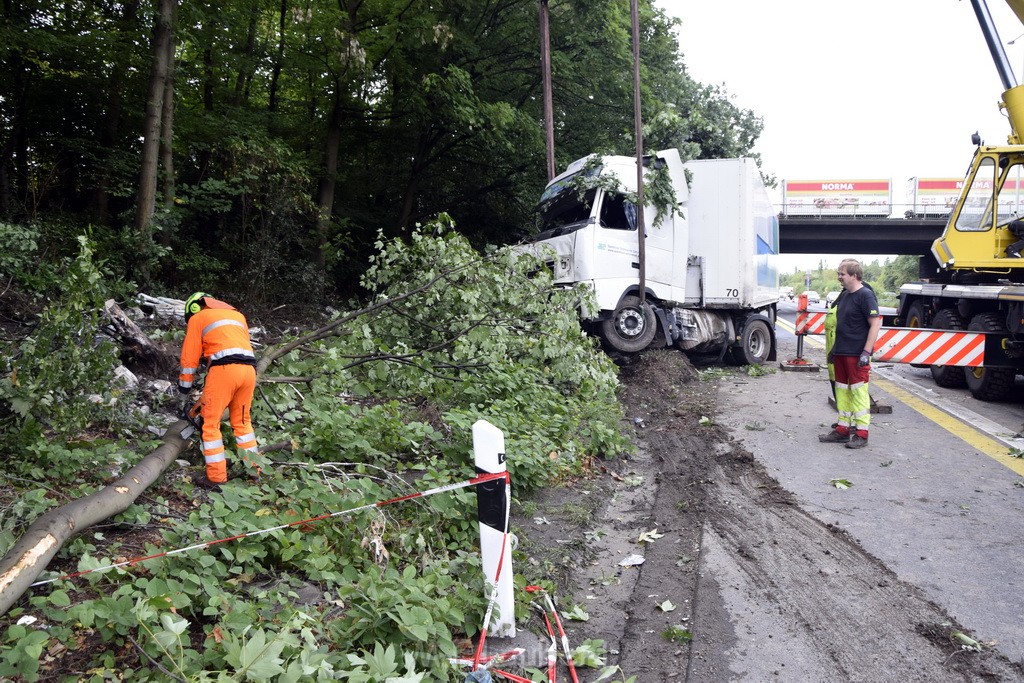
pixel 492 506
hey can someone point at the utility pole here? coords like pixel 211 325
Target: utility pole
pixel 545 68
pixel 638 121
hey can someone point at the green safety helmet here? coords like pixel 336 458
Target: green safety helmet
pixel 194 304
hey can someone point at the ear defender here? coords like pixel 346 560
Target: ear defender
pixel 194 304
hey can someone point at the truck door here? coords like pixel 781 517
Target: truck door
pixel 617 243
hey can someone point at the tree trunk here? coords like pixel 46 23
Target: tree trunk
pixel 167 139
pixel 137 347
pixel 5 178
pixel 278 61
pixel 128 25
pixel 146 200
pixel 245 71
pixel 329 181
pixel 30 555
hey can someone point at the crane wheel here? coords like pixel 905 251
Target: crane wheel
pixel 949 376
pixel 989 384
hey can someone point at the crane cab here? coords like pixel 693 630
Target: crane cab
pixel 977 233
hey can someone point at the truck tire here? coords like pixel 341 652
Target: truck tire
pixel 989 384
pixel 915 318
pixel 755 342
pixel 631 328
pixel 949 376
pixel 915 315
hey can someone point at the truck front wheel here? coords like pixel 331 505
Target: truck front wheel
pixel 989 384
pixel 755 343
pixel 948 376
pixel 631 328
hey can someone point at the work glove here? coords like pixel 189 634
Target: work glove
pixel 864 360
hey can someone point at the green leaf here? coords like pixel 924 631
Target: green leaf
pixel 577 613
pixel 589 653
pixel 60 598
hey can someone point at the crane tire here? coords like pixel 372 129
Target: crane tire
pixel 989 384
pixel 948 376
pixel 915 318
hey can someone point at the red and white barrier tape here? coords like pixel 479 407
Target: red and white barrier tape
pixel 561 631
pixel 420 494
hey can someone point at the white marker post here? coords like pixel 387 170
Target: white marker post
pixel 492 507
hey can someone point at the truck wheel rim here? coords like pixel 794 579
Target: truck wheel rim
pixel 631 323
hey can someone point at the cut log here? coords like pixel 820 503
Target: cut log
pixel 31 554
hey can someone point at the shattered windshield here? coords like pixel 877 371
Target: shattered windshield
pixel 565 208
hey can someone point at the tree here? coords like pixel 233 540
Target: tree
pixel 393 110
pixel 153 127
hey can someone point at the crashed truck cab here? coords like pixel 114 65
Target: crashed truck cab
pixel 710 273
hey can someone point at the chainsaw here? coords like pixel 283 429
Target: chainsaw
pixel 190 412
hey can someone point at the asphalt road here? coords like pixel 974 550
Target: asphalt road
pixel 937 496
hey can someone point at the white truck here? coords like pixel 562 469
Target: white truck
pixel 710 253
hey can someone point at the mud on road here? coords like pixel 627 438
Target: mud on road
pixel 737 583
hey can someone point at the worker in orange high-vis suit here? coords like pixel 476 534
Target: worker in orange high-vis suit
pixel 218 333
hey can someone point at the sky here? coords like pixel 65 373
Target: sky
pixel 872 89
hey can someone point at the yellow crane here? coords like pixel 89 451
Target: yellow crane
pixel 975 281
pixel 973 247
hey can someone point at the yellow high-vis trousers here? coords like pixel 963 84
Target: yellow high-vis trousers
pixel 853 402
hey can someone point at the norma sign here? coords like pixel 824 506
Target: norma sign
pixel 836 197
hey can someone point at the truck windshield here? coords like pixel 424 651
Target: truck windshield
pixel 563 211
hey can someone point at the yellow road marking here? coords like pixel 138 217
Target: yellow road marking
pixel 973 437
pixel 970 435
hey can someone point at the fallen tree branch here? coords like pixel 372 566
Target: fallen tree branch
pixel 23 563
pixel 41 541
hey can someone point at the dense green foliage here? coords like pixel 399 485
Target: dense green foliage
pixel 381 409
pixel 306 139
pixel 302 131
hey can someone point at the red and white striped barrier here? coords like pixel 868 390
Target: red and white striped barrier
pixel 810 323
pixel 930 347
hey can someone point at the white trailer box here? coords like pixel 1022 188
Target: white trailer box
pixel 933 197
pixel 836 198
pixel 734 233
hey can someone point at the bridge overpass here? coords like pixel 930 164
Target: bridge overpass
pixel 858 235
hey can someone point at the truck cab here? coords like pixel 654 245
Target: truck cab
pixel 710 283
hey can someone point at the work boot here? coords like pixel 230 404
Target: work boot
pixel 834 437
pixel 1013 253
pixel 204 482
pixel 857 442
